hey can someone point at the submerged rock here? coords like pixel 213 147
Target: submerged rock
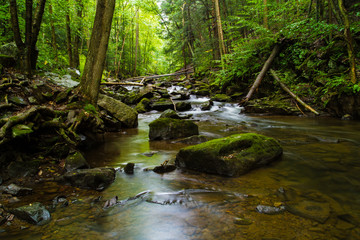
pixel 34 213
pixel 168 128
pixel 270 210
pixel 318 211
pixel 122 112
pixel 75 161
pixel 230 156
pixel 96 178
pixel 196 139
pixel 15 190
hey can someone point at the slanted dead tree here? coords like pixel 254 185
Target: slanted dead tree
pixel 263 72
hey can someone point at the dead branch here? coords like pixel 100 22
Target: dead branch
pixel 286 89
pixel 263 72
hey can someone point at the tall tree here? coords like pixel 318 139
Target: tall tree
pixel 27 50
pixel 95 60
pixel 349 41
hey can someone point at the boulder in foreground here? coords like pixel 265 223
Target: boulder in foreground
pixel 230 156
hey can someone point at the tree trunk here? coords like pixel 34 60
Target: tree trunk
pixel 68 37
pixel 28 36
pixel 263 71
pixel 266 25
pixel 95 61
pixel 53 35
pixel 219 26
pixel 349 42
pixel 76 52
pixel 136 42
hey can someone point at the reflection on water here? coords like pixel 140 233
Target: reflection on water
pixel 320 165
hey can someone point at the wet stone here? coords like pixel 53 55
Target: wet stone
pixel 242 221
pixel 164 168
pixel 75 161
pixel 16 190
pixel 129 168
pixel 34 213
pixel 270 210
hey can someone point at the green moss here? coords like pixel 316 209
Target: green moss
pixel 143 105
pixel 231 156
pixel 221 98
pixel 20 129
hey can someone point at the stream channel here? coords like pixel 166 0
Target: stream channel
pixel 319 173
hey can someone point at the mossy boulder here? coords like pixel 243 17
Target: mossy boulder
pixel 162 104
pixel 143 105
pixel 170 114
pixel 221 98
pixel 122 112
pixel 230 156
pixel 169 128
pixel 75 161
pixel 183 106
pixel 276 106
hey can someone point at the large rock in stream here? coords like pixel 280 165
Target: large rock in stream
pixel 169 128
pixel 95 178
pixel 34 213
pixel 230 156
pixel 122 112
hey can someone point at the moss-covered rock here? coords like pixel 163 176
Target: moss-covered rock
pixel 230 156
pixel 170 114
pixel 34 213
pixel 122 112
pixel 221 98
pixel 183 106
pixel 75 161
pixel 277 106
pixel 143 105
pixel 162 104
pixel 168 128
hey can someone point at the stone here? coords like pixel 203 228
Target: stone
pixel 15 190
pixel 96 178
pixel 129 168
pixel 196 139
pixel 17 100
pixel 207 106
pixel 168 128
pixel 122 112
pixel 270 210
pixel 164 168
pixel 169 113
pixel 22 169
pixel 221 98
pixel 242 221
pixel 143 105
pixel 75 161
pixel 162 104
pixel 230 156
pixel 275 106
pixel 317 211
pixel 34 213
pixel 20 130
pixel 183 106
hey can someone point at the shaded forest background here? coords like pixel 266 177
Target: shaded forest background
pixel 226 41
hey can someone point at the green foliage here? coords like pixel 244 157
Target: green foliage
pixel 90 108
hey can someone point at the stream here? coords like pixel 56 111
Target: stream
pixel 320 164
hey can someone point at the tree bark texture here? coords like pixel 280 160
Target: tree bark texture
pixel 95 61
pixel 53 34
pixel 68 37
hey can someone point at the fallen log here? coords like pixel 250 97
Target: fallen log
pixel 263 72
pixel 286 89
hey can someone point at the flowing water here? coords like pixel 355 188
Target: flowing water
pixel 320 164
